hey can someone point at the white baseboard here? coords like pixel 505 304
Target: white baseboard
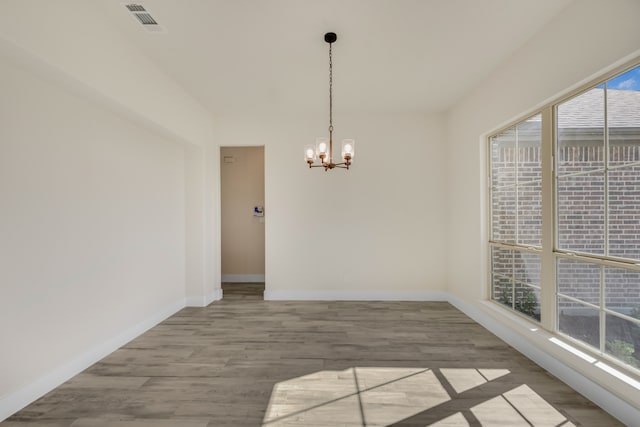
pixel 13 402
pixel 203 301
pixel 356 295
pixel 216 295
pixel 243 278
pixel 613 404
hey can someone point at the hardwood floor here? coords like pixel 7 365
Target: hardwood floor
pixel 243 361
pixel 243 291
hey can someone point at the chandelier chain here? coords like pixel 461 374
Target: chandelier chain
pixel 330 90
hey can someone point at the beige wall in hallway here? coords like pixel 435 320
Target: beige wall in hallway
pixel 242 188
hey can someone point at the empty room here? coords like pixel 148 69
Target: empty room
pixel 319 213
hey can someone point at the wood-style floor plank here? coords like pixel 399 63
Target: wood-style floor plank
pixel 243 361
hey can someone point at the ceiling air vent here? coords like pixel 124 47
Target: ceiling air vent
pixel 146 19
pixel 143 16
pixel 135 8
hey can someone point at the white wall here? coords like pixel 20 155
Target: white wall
pixel 587 37
pixel 92 226
pixel 107 215
pixel 377 230
pixel 77 48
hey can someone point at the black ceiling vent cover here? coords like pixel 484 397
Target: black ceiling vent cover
pixel 143 16
pixel 135 8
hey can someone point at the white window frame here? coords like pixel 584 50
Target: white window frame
pixel 550 252
pixel 538 250
pixel 601 261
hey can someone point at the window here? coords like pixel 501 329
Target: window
pixel 591 266
pixel 598 217
pixel 516 217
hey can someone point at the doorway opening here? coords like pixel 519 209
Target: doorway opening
pixel 242 216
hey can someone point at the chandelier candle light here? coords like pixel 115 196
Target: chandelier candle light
pixel 324 146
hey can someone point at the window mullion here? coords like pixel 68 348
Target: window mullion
pixel 517 190
pixel 513 273
pixel 548 268
pixel 605 158
pixel 606 173
pixel 601 311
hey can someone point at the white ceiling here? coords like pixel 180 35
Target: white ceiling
pixel 391 55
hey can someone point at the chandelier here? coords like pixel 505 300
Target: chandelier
pixel 324 147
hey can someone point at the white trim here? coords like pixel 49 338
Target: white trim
pixel 531 342
pixel 356 295
pixel 203 301
pixel 216 295
pixel 243 278
pixel 13 402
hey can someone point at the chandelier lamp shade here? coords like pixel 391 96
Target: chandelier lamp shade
pixel 323 149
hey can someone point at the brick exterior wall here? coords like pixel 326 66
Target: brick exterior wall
pixel 580 216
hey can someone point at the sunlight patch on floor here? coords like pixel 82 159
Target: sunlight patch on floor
pixel 465 379
pixel 402 394
pixel 534 408
pixel 455 420
pixel 382 396
pixel 498 411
